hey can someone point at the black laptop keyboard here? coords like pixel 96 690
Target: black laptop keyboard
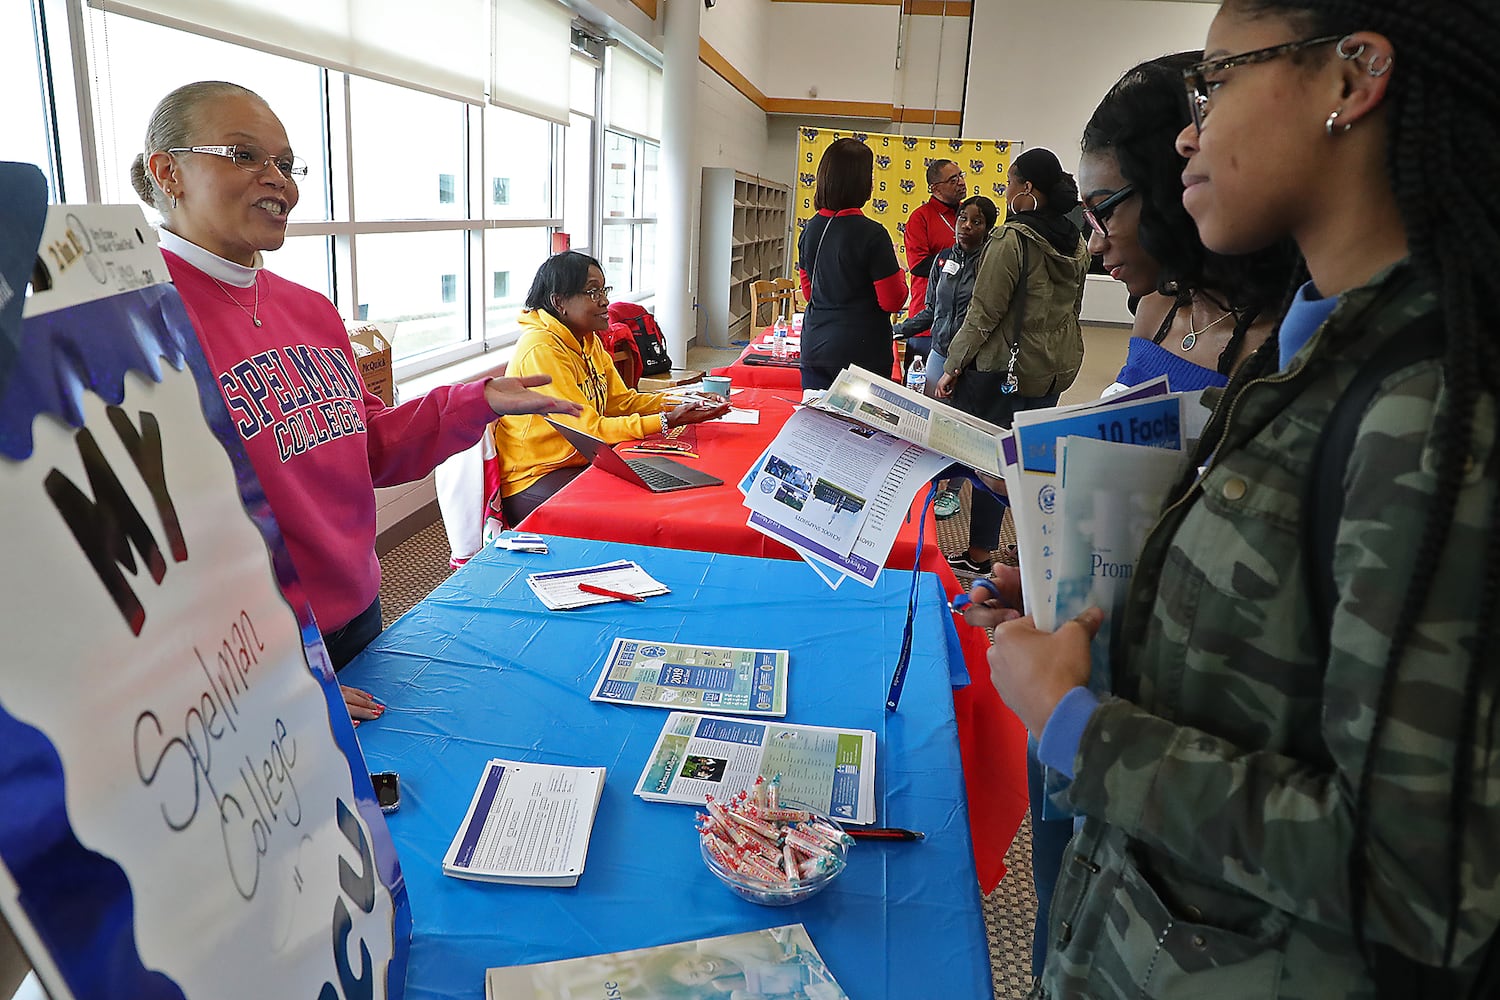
pixel 654 477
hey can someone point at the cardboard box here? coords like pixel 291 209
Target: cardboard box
pixel 676 377
pixel 372 350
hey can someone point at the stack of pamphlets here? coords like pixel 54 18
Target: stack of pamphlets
pixel 777 962
pixel 527 824
pixel 559 589
pixel 832 770
pixel 684 676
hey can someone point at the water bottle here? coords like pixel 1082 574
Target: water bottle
pixel 916 375
pixel 778 339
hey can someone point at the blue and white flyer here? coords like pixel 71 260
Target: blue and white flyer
pixel 188 814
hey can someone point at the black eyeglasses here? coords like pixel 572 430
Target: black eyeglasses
pixel 1097 216
pixel 1200 90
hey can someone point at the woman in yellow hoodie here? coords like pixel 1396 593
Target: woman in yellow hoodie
pixel 566 309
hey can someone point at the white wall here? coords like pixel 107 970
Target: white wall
pixel 833 52
pixel 738 31
pixel 1037 70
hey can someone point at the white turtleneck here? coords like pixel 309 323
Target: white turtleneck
pixel 210 263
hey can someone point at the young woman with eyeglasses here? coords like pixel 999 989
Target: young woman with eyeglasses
pixel 567 308
pixel 1292 789
pixel 1200 314
pixel 219 168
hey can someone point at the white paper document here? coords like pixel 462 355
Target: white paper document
pixel 832 770
pixel 559 590
pixel 740 416
pixel 527 823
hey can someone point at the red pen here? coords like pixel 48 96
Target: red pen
pixel 589 588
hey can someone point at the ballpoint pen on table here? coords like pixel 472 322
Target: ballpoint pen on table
pixel 589 588
pixel 882 833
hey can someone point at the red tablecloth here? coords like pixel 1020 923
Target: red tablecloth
pixel 776 377
pixel 600 506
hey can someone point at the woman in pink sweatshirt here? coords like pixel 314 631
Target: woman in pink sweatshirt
pixel 218 166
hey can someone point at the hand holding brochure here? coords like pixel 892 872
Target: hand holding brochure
pixel 776 962
pixel 527 824
pixel 832 770
pixel 681 675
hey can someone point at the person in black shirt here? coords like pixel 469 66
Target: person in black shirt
pixel 850 276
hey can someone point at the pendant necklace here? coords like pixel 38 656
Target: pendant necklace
pixel 1192 337
pixel 255 317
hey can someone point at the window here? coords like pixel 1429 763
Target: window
pixel 28 135
pixel 445 189
pixel 501 285
pixel 629 242
pixel 430 132
pixel 500 190
pixel 518 162
pixel 450 288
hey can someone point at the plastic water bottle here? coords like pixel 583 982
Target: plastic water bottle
pixel 916 376
pixel 778 339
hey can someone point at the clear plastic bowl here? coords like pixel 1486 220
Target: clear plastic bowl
pixel 778 893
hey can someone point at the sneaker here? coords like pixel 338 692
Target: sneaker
pixel 946 505
pixel 961 563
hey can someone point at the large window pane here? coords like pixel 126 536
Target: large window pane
pixel 517 166
pixel 643 274
pixel 578 180
pixel 404 278
pixel 20 81
pixel 615 256
pixel 303 259
pixel 130 85
pixel 511 260
pixel 619 176
pixel 408 151
pixel 650 152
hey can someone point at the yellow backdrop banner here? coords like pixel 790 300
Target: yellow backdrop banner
pixel 901 174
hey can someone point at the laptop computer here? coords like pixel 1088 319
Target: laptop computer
pixel 659 475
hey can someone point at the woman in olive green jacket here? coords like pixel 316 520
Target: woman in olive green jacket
pixel 1020 345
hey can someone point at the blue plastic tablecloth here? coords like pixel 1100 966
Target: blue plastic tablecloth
pixel 481 669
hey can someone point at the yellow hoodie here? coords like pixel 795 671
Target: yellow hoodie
pixel 528 447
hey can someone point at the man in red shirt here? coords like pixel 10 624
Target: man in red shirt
pixel 933 227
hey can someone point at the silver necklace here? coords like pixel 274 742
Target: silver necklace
pixel 255 317
pixel 1192 337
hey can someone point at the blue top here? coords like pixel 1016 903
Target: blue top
pixel 1308 311
pixel 1147 360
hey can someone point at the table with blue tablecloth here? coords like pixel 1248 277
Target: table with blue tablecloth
pixel 481 669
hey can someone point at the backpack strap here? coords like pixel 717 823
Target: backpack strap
pixel 1323 489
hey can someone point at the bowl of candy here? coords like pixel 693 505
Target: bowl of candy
pixel 774 855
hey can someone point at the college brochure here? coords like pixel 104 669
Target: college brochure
pixel 527 823
pixel 776 962
pixel 832 770
pixel 687 676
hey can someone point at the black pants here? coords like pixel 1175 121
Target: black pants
pixel 344 644
pixel 517 507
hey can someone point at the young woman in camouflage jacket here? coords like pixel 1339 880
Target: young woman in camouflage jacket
pixel 1278 802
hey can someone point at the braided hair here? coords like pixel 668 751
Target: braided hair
pixel 1444 58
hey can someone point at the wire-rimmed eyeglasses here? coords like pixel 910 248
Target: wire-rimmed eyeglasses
pixel 1200 89
pixel 599 295
pixel 252 159
pixel 1097 216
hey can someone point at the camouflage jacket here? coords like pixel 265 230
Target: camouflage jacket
pixel 1218 782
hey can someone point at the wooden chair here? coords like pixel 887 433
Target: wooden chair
pixel 627 365
pixel 777 294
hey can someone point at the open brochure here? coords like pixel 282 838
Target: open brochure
pixel 527 824
pixel 684 676
pixel 837 492
pixel 914 417
pixel 776 962
pixel 832 770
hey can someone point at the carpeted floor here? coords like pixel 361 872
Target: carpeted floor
pixel 412 569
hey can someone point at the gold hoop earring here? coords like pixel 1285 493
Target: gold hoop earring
pixel 1384 67
pixel 1333 123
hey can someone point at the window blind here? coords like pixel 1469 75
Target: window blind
pixel 633 90
pixel 530 57
pixel 436 45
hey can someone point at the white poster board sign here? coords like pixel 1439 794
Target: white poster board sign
pixel 187 810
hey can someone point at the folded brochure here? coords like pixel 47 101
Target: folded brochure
pixel 684 675
pixel 776 962
pixel 832 770
pixel 527 824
